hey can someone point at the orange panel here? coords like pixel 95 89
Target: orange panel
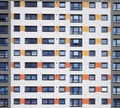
pixel 39 65
pixel 22 77
pixel 98 65
pixel 98 16
pixel 67 65
pixel 85 28
pixel 67 89
pixel 109 77
pixel 39 89
pixel 109 101
pixel 56 28
pixel 12 64
pixel 12 40
pixel 98 89
pixel 22 101
pixel 12 16
pixel 67 16
pixel 85 101
pixel 67 40
pixel 22 28
pixel 22 3
pixel 98 40
pixel 85 53
pixel 85 76
pixel 109 53
pixel 22 52
pixel 85 4
pixel 12 88
pixel 109 29
pixel 56 4
pixel 56 101
pixel 109 4
pixel 56 77
pixel 39 16
pixel 39 40
pixel 56 52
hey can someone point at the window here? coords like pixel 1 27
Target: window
pixel 116 42
pixel 16 3
pixel 104 89
pixel 75 18
pixel 75 42
pixel 48 65
pixel 30 40
pixel 16 89
pixel 62 65
pixel 91 29
pixel 61 28
pixel 75 54
pixel 61 40
pixel 16 40
pixel 48 41
pixel 3 90
pixel 92 4
pixel 30 4
pixel 30 28
pixel 116 18
pixel 116 90
pixel 16 28
pixel 116 78
pixel 75 90
pixel 16 16
pixel 3 54
pixel 47 101
pixel 76 66
pixel 104 41
pixel 91 77
pixel 104 77
pixel 75 6
pixel 104 65
pixel 61 16
pixel 30 52
pixel 104 17
pixel 116 54
pixel 48 52
pixel 30 77
pixel 92 17
pixel 3 17
pixel 3 102
pixel 48 4
pixel 48 17
pixel 3 66
pixel 75 102
pixel 116 6
pixel 61 101
pixel 47 28
pixel 16 52
pixel 16 101
pixel 30 65
pixel 31 16
pixel 61 77
pixel 31 101
pixel 61 89
pixel 116 30
pixel 3 78
pixel 30 89
pixel 48 89
pixel 91 65
pixel 16 77
pixel 4 41
pixel 75 30
pixel 61 4
pixel 104 4
pixel 116 102
pixel 3 29
pixel 3 5
pixel 91 41
pixel 47 77
pixel 16 64
pixel 91 89
pixel 91 53
pixel 91 101
pixel 116 66
pixel 62 52
pixel 104 53
pixel 104 101
pixel 75 78
pixel 104 29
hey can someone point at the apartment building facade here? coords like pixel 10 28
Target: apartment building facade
pixel 59 53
